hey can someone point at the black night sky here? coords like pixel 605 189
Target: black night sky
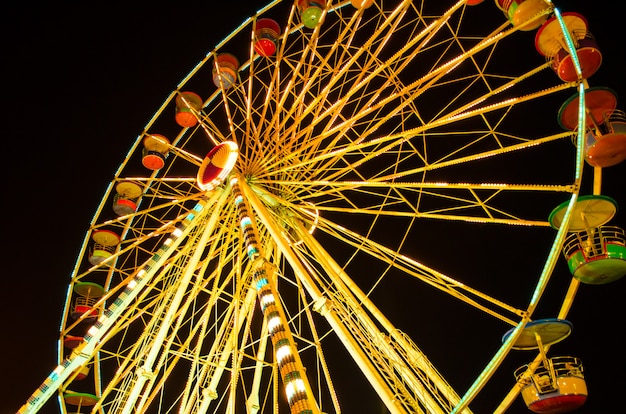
pixel 81 81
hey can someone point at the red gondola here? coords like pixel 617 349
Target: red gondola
pixel 266 34
pixel 551 43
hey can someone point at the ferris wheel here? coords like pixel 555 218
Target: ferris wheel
pixel 319 204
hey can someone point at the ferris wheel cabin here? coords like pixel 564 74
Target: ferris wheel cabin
pixel 225 70
pixel 72 341
pixel 311 12
pixel 80 399
pixel 266 34
pixel 188 104
pixel 104 243
pixel 525 14
pixel 364 4
pixel 558 387
pixel 82 373
pixel 87 296
pixel 605 139
pixel 555 385
pixel 126 196
pixel 551 43
pixel 155 150
pixel 595 253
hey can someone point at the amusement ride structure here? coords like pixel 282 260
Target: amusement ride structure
pixel 269 230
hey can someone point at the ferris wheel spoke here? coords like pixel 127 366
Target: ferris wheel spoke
pixel 393 355
pixel 362 337
pixel 335 71
pixel 148 230
pixel 85 350
pixel 176 350
pixel 152 299
pixel 211 131
pixel 345 96
pixel 335 77
pixel 464 151
pixel 155 337
pixel 211 365
pixel 393 259
pixel 201 388
pixel 307 280
pixel 410 90
pixel 470 202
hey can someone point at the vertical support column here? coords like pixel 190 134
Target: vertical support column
pixel 297 388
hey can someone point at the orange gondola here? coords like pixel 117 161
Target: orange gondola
pixel 155 150
pixel 525 14
pixel 188 104
pixel 605 126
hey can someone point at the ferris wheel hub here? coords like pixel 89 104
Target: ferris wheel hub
pixel 217 165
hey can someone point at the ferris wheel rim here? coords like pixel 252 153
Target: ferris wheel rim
pixel 289 215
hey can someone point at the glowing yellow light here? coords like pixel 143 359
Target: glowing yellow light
pixel 273 323
pixel 92 331
pixel 294 387
pixel 267 300
pixel 282 353
pixel 132 284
